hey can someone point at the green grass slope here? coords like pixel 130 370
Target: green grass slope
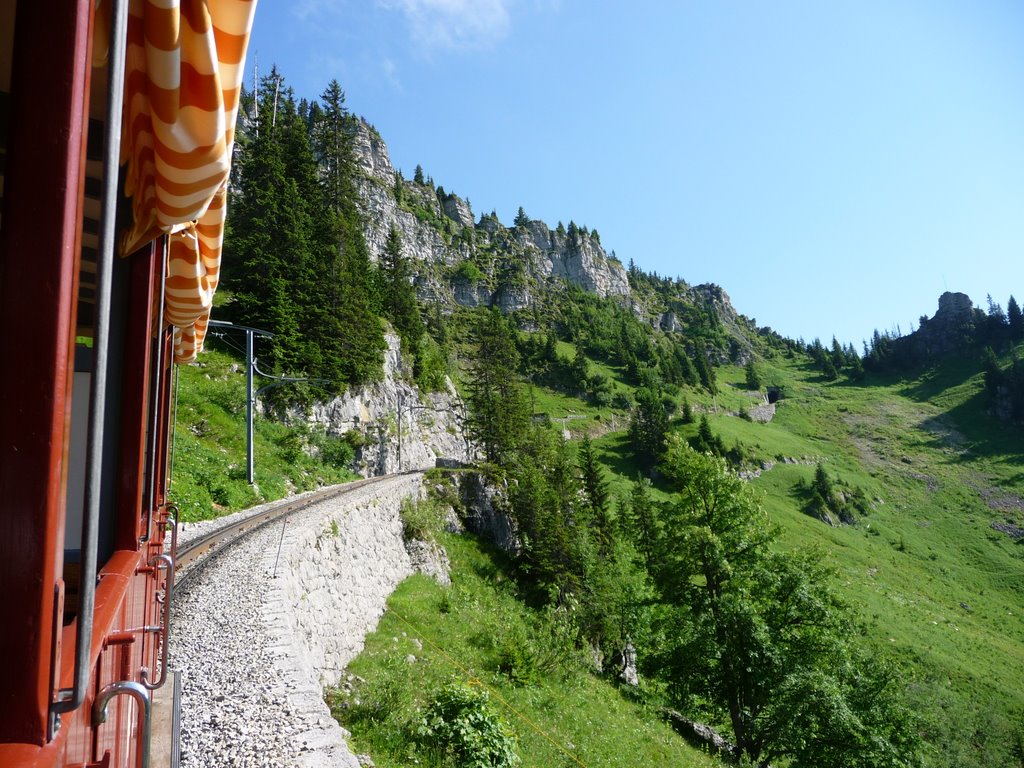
pixel 479 633
pixel 928 573
pixel 208 458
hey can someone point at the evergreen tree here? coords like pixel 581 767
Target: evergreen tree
pixel 648 427
pixel 578 370
pixel 706 374
pixel 521 219
pixel 398 294
pixel 996 324
pixel 687 412
pixel 499 415
pixel 417 175
pixel 690 376
pixel 343 318
pixel 838 355
pixel 643 520
pixel 753 380
pixel 595 488
pixel 1015 320
pixel 270 245
pixel 822 487
pixel 994 376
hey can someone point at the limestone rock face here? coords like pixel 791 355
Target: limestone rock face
pixel 946 331
pixel 438 233
pixel 457 261
pixel 458 210
pixel 484 513
pixel 954 308
pixel 401 427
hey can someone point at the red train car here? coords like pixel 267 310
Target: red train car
pixel 116 128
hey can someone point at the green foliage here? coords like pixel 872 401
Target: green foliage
pixel 334 451
pixel 294 253
pixel 753 378
pixel 707 441
pixel 422 519
pixel 1014 320
pixel 563 716
pixel 398 296
pixel 468 270
pixel 498 411
pixel 648 427
pixel 209 454
pixel 545 649
pixel 461 723
pixel 759 637
pixel 595 489
pixel 431 365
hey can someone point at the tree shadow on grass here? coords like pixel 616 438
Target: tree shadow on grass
pixel 971 433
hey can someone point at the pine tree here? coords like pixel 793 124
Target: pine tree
pixel 644 530
pixel 753 380
pixel 1015 320
pixel 268 249
pixel 344 322
pixel 706 374
pixel 648 427
pixel 521 219
pixel 398 294
pixel 822 486
pixel 499 415
pixel 417 175
pixel 595 487
pixel 687 412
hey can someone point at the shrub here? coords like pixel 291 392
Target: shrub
pixel 336 451
pixel 461 724
pixel 468 270
pixel 421 520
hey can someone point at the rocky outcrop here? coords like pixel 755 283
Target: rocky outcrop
pixel 399 427
pixel 438 233
pixel 458 210
pixel 484 513
pixel 951 328
pixel 461 262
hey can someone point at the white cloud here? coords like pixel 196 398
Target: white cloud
pixel 453 24
pixel 390 70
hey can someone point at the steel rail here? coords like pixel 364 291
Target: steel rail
pixel 222 538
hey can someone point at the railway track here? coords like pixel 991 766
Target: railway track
pixel 192 554
pixel 208 594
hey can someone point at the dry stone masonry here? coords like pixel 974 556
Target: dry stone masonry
pixel 258 635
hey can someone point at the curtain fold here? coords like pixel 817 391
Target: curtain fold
pixel 183 74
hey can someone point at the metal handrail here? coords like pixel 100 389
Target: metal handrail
pixel 173 512
pixel 141 696
pixel 155 415
pixel 68 700
pixel 165 623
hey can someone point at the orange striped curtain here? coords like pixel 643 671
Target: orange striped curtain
pixel 183 73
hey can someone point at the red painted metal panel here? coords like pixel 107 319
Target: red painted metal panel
pixel 135 392
pixel 38 295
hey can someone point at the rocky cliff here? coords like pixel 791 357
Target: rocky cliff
pixel 459 260
pixel 950 328
pixel 399 427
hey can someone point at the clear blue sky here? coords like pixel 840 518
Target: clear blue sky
pixel 834 166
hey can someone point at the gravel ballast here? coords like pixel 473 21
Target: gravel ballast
pixel 255 650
